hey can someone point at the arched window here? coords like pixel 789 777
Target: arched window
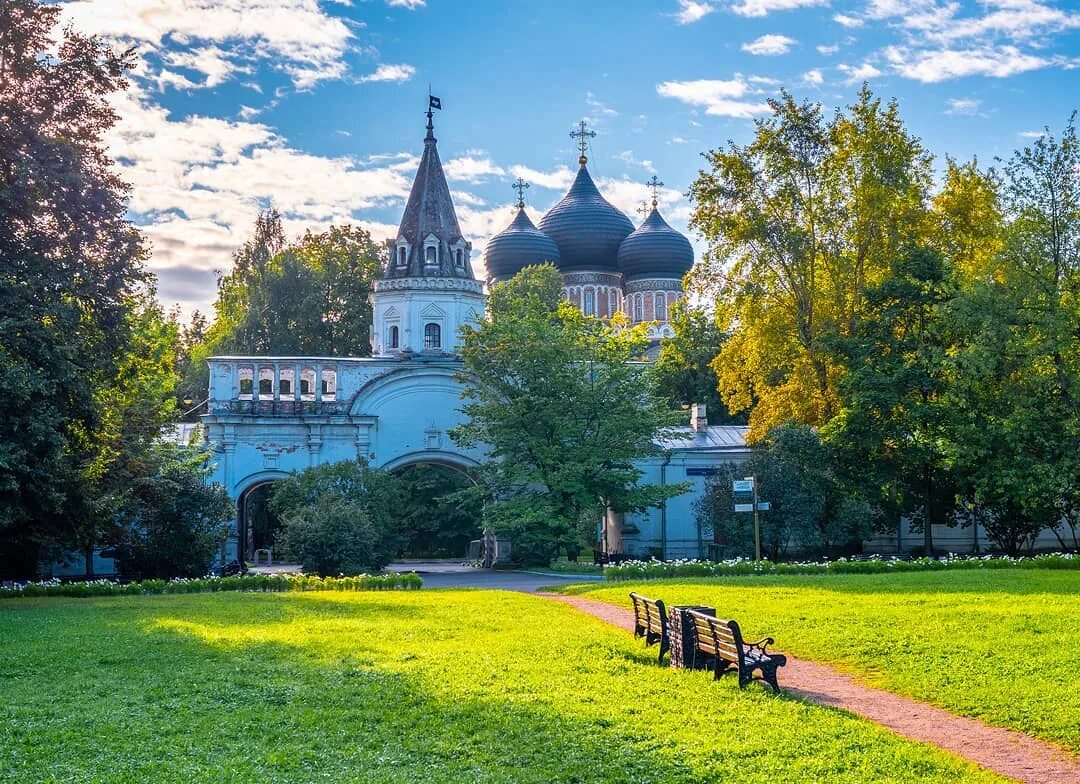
pixel 401 256
pixel 429 254
pixel 329 384
pixel 286 389
pixel 432 336
pixel 639 307
pixel 307 384
pixel 393 339
pixel 266 383
pixel 660 307
pixel 460 258
pixel 590 303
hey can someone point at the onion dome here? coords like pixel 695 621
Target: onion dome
pixel 655 250
pixel 517 246
pixel 586 227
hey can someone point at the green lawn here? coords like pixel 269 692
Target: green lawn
pixel 436 686
pixel 1003 645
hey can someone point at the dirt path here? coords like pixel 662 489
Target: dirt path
pixel 1003 751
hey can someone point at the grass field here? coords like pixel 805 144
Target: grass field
pixel 436 686
pixel 1002 646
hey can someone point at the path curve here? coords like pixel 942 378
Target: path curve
pixel 1001 750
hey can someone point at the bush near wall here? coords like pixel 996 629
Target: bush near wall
pixel 250 582
pixel 658 570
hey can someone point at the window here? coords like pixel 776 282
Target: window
pixel 460 258
pixel 329 385
pixel 307 384
pixel 432 336
pixel 429 254
pixel 660 307
pixel 285 383
pixel 401 253
pixel 246 388
pixel 639 307
pixel 266 383
pixel 590 303
pixel 392 341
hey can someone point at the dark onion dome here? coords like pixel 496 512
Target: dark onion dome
pixel 586 227
pixel 518 245
pixel 655 250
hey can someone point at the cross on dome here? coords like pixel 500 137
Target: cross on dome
pixel 655 185
pixel 582 135
pixel 643 210
pixel 520 186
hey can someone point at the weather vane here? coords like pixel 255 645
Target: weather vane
pixel 520 186
pixel 656 185
pixel 582 135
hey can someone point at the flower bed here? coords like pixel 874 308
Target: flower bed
pixel 248 582
pixel 657 570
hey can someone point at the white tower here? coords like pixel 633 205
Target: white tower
pixel 428 290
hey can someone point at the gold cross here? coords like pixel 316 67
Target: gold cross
pixel 656 185
pixel 520 186
pixel 582 135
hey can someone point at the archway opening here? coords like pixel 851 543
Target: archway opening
pixel 259 526
pixel 440 515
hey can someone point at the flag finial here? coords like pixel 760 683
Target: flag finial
pixel 582 135
pixel 432 103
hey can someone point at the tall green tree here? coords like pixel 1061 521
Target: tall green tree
pixel 800 223
pixel 564 412
pixel 684 370
pixel 70 271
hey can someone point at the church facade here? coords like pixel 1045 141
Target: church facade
pixel 270 416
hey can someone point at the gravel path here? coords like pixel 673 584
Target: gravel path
pixel 1003 751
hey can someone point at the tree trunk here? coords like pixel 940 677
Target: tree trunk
pixel 928 518
pixel 88 554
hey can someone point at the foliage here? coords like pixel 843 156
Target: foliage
pixel 810 508
pixel 800 222
pixel 438 519
pixel 446 686
pixel 962 637
pixel 263 583
pixel 340 518
pixel 564 410
pixel 73 294
pixel 888 437
pixel 739 567
pixel 684 371
pixel 175 521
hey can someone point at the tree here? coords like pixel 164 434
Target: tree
pixel 889 433
pixel 1016 426
pixel 175 520
pixel 70 272
pixel 340 518
pixel 564 413
pixel 439 519
pixel 800 223
pixel 684 370
pixel 809 507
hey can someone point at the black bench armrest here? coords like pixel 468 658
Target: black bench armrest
pixel 761 644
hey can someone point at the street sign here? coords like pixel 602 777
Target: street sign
pixel 744 507
pixel 763 506
pixel 743 486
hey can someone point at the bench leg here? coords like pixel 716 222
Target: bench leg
pixel 665 646
pixel 720 667
pixel 768 674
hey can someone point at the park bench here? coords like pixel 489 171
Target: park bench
pixel 721 642
pixel 651 622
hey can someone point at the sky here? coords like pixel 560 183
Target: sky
pixel 316 107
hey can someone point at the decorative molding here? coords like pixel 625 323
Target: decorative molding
pixel 430 284
pixel 653 284
pixel 601 278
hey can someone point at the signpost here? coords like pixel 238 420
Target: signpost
pixel 748 487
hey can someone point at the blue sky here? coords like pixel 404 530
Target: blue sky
pixel 317 107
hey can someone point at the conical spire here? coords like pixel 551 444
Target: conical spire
pixel 429 241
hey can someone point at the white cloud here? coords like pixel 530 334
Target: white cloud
pixel 766 7
pixel 627 156
pixel 411 5
pixel 813 77
pixel 941 64
pixel 860 73
pixel 847 21
pixel 828 50
pixel 601 108
pixel 770 44
pixel 691 11
pixel 390 73
pixel 297 35
pixel 558 179
pixel 963 106
pixel 721 98
pixel 247 112
pixel 469 168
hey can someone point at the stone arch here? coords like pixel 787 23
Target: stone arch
pixel 242 491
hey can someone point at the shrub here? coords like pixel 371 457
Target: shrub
pixel 658 570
